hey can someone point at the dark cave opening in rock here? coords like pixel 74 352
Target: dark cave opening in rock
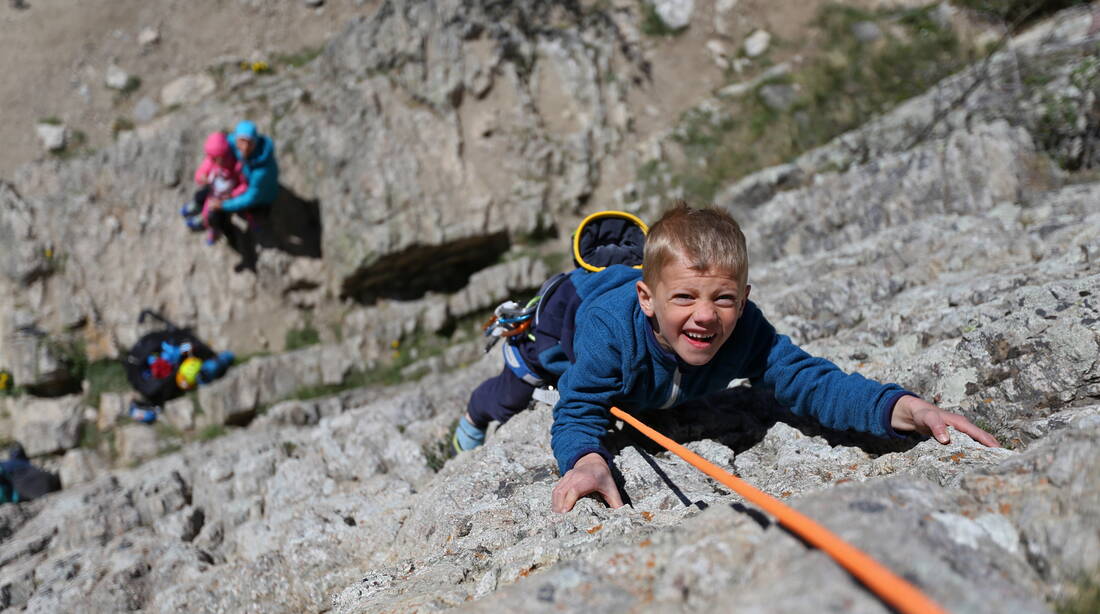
pixel 413 272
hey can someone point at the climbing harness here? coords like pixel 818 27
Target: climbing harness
pixel 899 594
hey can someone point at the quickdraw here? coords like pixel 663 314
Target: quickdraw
pixel 509 320
pixel 901 595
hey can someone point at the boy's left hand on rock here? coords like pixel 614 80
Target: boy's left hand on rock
pixel 913 414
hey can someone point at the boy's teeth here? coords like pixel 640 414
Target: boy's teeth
pixel 699 337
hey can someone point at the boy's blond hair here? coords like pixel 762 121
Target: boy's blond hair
pixel 708 239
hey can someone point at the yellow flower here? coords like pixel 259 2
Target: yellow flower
pixel 396 343
pixel 5 379
pixel 260 67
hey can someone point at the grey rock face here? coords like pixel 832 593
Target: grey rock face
pixel 235 398
pixel 45 426
pixel 504 126
pixel 145 110
pixel 80 466
pixel 945 266
pixel 187 89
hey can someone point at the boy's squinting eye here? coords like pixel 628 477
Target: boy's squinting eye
pixel 682 299
pixel 726 300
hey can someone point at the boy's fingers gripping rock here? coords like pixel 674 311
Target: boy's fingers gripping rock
pixel 935 423
pixel 965 426
pixel 589 475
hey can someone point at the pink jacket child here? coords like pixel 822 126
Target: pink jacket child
pixel 220 171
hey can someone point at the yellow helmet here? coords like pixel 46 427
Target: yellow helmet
pixel 188 373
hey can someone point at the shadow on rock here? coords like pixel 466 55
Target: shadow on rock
pixel 739 418
pixel 291 224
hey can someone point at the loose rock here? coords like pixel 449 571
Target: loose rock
pixel 757 43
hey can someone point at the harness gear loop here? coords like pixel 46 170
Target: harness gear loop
pixel 896 592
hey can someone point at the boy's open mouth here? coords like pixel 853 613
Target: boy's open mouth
pixel 700 339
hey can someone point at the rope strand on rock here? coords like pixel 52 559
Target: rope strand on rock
pixel 901 595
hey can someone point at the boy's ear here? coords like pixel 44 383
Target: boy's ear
pixel 748 289
pixel 645 298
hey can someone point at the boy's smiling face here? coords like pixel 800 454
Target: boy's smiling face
pixel 693 312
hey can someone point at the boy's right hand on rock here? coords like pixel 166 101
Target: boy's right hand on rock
pixel 590 474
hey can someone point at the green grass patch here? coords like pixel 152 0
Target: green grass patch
pixel 1017 12
pixel 243 358
pixel 850 83
pixel 90 436
pixel 212 431
pixel 1087 599
pixel 165 430
pixel 440 451
pixel 132 85
pixel 299 58
pixel 297 338
pixel 1057 126
pixel 75 145
pixel 121 124
pixel 196 405
pixel 104 376
pixel 51 120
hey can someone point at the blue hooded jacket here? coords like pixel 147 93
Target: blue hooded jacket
pixel 260 170
pixel 618 361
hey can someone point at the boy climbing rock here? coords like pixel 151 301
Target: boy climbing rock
pixel 685 328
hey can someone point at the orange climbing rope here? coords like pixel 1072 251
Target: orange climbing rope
pixel 903 596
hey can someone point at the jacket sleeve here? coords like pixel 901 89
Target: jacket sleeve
pixel 251 194
pixel 815 387
pixel 587 390
pixel 203 171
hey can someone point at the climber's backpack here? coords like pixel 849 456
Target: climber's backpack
pixel 136 361
pixel 22 481
pixel 600 240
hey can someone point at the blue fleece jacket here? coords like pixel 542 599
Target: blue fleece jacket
pixel 618 362
pixel 262 173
